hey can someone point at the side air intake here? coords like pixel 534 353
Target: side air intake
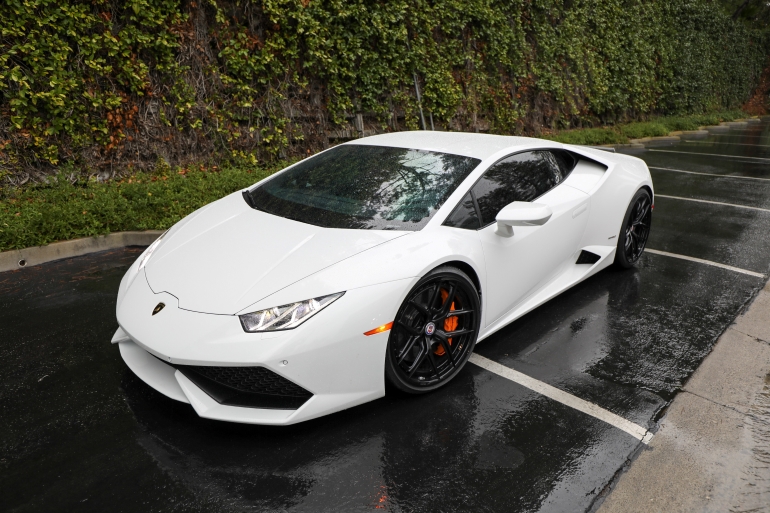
pixel 586 257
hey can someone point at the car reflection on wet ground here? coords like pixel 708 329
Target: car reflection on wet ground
pixel 81 433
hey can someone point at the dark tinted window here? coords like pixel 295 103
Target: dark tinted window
pixel 566 161
pixel 464 215
pixel 521 177
pixel 365 187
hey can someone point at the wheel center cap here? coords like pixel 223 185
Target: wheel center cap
pixel 430 329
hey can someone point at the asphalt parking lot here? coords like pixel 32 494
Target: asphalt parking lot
pixel 81 433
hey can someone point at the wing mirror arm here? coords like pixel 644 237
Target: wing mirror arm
pixel 504 230
pixel 521 213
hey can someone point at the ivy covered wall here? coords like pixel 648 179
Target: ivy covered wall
pixel 106 84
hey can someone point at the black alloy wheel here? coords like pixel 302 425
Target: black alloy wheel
pixel 635 230
pixel 434 332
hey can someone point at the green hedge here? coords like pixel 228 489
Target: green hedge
pixel 99 84
pixel 62 210
pixel 657 126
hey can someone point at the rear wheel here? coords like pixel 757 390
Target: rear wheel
pixel 434 332
pixel 635 230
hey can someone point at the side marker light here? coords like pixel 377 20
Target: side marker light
pixel 379 329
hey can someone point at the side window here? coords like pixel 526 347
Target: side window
pixel 464 215
pixel 566 162
pixel 520 177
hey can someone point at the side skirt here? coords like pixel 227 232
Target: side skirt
pixel 572 274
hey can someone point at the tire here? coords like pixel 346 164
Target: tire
pixel 419 358
pixel 635 230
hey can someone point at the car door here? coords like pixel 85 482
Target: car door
pixel 519 265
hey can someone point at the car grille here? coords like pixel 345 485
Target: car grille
pixel 257 380
pixel 255 387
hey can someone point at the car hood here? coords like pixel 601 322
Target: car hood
pixel 228 256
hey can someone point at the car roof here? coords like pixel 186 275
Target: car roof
pixel 480 146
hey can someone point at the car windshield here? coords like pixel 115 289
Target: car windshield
pixel 364 187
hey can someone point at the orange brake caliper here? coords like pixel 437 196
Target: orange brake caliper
pixel 450 324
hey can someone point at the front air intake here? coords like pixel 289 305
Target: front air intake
pixel 252 387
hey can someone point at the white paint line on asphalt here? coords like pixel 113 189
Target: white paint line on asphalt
pixel 726 134
pixel 711 155
pixel 712 202
pixel 707 262
pixel 563 397
pixel 709 174
pixel 728 143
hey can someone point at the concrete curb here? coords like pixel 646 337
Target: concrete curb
pixel 708 454
pixel 27 257
pixel 677 135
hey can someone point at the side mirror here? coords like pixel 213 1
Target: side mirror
pixel 521 213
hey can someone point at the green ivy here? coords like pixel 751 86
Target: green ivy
pixel 99 82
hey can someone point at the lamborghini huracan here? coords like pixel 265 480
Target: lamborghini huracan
pixel 379 263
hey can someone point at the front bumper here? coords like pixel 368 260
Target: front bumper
pixel 328 356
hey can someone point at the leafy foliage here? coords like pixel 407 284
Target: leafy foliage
pixel 63 210
pixel 99 84
pixel 657 126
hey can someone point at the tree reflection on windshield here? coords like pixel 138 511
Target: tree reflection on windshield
pixel 365 187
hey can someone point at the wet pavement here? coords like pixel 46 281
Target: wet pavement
pixel 82 433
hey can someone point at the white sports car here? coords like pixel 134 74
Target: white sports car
pixel 382 260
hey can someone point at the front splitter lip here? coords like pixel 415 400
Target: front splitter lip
pixel 316 406
pixel 174 384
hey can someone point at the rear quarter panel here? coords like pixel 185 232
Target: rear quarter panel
pixel 610 198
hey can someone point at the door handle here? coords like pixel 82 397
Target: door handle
pixel 582 208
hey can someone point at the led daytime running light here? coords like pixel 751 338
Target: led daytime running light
pixel 285 317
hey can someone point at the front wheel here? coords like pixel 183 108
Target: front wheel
pixel 434 332
pixel 635 230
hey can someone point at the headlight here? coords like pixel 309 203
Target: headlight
pixel 148 252
pixel 286 317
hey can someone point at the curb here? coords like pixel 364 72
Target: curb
pixel 677 135
pixel 706 455
pixel 27 257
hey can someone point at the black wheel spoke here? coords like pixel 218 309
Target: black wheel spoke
pixel 409 329
pixel 421 308
pixel 407 348
pixel 433 363
pixel 642 222
pixel 456 333
pixel 434 297
pixel 454 313
pixel 448 303
pixel 641 212
pixel 448 350
pixel 418 361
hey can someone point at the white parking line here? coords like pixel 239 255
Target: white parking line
pixel 563 397
pixel 707 262
pixel 725 142
pixel 711 155
pixel 708 174
pixel 712 202
pixel 726 134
